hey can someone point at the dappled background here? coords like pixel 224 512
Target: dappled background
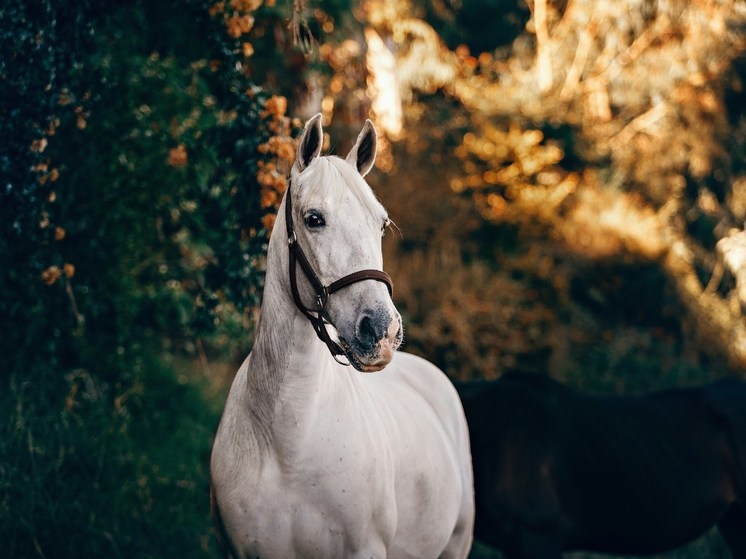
pixel 567 180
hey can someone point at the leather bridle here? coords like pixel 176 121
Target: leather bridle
pixel 317 316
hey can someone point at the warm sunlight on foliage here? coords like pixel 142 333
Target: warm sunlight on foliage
pixel 513 173
pixel 604 124
pixel 281 149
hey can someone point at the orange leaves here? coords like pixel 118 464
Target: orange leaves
pixel 514 166
pixel 38 146
pixel 518 176
pixel 50 275
pixel 237 17
pixel 44 174
pixel 268 221
pixel 81 118
pixel 275 107
pixel 279 152
pixel 272 184
pixel 53 273
pixel 282 147
pixel 246 5
pixel 237 25
pixel 177 157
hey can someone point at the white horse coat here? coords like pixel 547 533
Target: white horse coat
pixel 315 459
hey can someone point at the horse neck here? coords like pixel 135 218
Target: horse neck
pixel 286 351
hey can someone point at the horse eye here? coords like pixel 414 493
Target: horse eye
pixel 385 225
pixel 314 220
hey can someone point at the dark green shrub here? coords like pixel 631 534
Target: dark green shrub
pixel 130 212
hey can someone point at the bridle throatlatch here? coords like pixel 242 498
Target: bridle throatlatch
pixel 317 316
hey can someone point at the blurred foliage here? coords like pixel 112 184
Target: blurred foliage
pixel 94 478
pixel 608 138
pixel 142 165
pixel 481 297
pixel 34 74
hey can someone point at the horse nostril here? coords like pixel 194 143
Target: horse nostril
pixel 370 329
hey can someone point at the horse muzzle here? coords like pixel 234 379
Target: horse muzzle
pixel 377 337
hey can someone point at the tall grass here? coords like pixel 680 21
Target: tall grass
pixel 82 475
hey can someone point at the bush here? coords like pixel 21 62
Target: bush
pixel 82 478
pixel 138 187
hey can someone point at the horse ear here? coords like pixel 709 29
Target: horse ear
pixel 363 153
pixel 310 143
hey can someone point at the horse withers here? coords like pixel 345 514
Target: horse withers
pixel 313 458
pixel 558 470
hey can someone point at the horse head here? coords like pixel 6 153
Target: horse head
pixel 335 224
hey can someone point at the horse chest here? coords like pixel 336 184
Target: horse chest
pixel 337 484
pixel 326 509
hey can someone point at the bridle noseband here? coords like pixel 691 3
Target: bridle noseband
pixel 322 291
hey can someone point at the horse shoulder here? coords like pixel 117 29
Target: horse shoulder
pixel 437 395
pixel 239 453
pixel 430 382
pixel 434 472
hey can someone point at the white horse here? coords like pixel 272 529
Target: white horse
pixel 313 459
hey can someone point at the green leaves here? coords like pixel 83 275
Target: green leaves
pixel 130 221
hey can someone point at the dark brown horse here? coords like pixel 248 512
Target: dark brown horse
pixel 557 470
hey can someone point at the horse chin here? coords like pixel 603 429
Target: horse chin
pixel 366 366
pixel 372 368
pixel 366 363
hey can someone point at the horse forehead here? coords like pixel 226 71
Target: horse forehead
pixel 332 183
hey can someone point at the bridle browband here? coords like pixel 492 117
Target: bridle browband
pixel 322 291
